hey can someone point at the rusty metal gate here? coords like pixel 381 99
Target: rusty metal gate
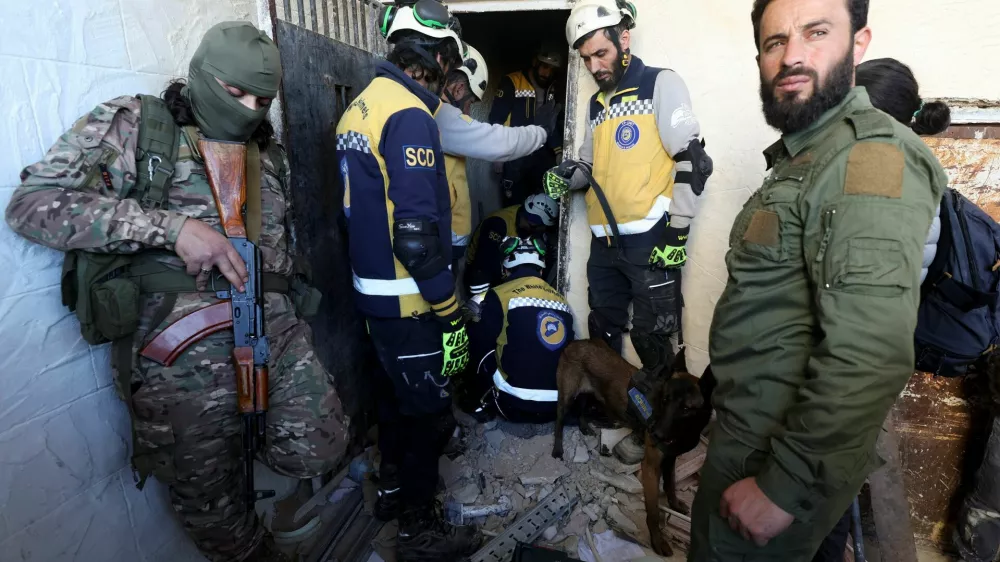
pixel 329 49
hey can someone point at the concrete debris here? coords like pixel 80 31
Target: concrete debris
pixel 600 527
pixel 544 492
pixel 610 437
pixel 591 441
pixel 627 483
pixel 467 494
pixel 489 425
pixel 550 533
pixel 451 471
pixel 546 470
pixel 495 438
pixel 581 455
pixel 623 498
pixel 621 521
pixel 520 489
pixel 614 465
pixel 593 512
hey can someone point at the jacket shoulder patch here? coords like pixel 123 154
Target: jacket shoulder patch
pixel 551 330
pixel 764 229
pixel 875 168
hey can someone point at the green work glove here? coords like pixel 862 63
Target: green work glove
pixel 557 179
pixel 455 344
pixel 672 253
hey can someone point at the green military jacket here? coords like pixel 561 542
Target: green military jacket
pixel 812 339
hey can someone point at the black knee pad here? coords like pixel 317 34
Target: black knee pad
pixel 655 351
pixel 600 328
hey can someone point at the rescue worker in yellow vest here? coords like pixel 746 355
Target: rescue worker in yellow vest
pixel 648 162
pixel 399 226
pixel 484 267
pixel 516 344
pixel 463 137
pixel 530 98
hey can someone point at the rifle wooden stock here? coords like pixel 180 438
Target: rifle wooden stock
pixel 168 345
pixel 226 167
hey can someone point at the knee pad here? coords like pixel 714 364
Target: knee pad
pixel 600 328
pixel 654 350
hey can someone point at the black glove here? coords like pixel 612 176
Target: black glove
pixel 547 116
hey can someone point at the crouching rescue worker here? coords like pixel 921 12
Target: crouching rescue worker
pixel 812 338
pixel 399 223
pixel 125 189
pixel 463 137
pixel 643 147
pixel 516 344
pixel 484 266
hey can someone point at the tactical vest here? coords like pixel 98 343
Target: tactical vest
pixel 537 324
pixel 382 285
pixel 461 200
pixel 630 163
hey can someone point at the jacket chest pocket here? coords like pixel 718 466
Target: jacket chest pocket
pixel 769 222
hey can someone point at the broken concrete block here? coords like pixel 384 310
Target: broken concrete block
pixel 519 489
pixel 600 527
pixel 550 533
pixel 610 437
pixel 581 455
pixel 546 470
pixel 544 492
pixel 621 521
pixel 626 483
pixel 593 512
pixel 450 471
pixel 495 438
pixel 614 465
pixel 529 494
pixel 467 494
pixel 623 499
pixel 591 441
pixel 490 425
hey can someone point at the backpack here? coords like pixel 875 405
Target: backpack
pixel 958 323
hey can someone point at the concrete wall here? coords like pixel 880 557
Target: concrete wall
pixel 951 47
pixel 66 491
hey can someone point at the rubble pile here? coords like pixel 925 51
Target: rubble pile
pixel 494 467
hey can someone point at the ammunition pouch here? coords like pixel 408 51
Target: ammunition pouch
pixel 105 300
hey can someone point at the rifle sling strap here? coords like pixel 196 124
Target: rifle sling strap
pixel 156 153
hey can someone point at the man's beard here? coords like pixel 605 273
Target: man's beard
pixel 610 81
pixel 790 116
pixel 542 82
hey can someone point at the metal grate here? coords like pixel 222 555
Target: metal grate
pixel 529 527
pixel 354 22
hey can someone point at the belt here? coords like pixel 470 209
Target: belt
pixel 157 277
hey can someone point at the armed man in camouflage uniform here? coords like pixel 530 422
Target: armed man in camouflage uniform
pixel 185 422
pixel 812 339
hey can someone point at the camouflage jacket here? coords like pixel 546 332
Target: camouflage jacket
pixel 66 202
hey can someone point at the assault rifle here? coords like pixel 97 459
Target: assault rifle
pixel 225 165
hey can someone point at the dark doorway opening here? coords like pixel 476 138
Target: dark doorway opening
pixel 508 41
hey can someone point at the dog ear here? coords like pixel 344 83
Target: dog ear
pixel 680 362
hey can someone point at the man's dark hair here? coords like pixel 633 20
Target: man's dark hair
pixel 857 8
pixel 893 89
pixel 613 34
pixel 180 108
pixel 406 55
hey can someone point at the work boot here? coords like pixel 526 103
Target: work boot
pixel 424 536
pixel 387 504
pixel 632 449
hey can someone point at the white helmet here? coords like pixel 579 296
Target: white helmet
pixel 591 15
pixel 522 251
pixel 543 207
pixel 427 17
pixel 475 68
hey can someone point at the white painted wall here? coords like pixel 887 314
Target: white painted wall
pixel 66 492
pixel 951 46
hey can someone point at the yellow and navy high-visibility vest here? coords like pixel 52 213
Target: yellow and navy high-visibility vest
pixel 391 163
pixel 484 260
pixel 461 201
pixel 515 101
pixel 630 163
pixel 535 325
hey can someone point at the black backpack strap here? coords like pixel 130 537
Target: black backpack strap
pixel 156 153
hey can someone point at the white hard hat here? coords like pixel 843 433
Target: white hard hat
pixel 475 68
pixel 427 17
pixel 522 251
pixel 543 207
pixel 591 15
pixel 551 55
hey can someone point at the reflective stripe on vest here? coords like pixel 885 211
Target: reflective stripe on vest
pixel 385 287
pixel 660 207
pixel 529 394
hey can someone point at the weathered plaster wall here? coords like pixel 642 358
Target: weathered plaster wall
pixel 951 46
pixel 66 491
